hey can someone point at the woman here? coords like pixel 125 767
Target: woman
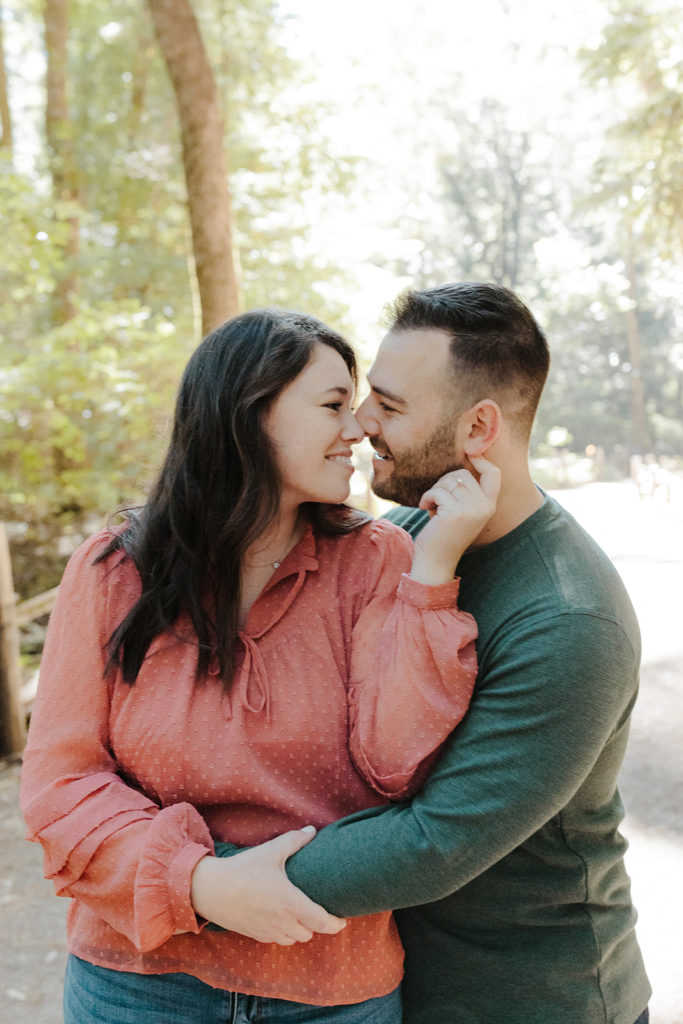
pixel 238 659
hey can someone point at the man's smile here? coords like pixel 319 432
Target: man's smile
pixel 382 454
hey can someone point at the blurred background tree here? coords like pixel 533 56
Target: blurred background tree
pixel 574 201
pixel 98 292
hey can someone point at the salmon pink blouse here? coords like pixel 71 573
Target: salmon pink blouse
pixel 350 674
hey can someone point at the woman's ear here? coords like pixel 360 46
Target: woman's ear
pixel 483 424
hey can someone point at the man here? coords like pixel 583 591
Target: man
pixel 509 863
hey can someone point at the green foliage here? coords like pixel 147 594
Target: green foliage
pixel 31 258
pixel 638 59
pixel 83 410
pixel 77 412
pixel 589 386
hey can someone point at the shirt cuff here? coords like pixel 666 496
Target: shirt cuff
pixel 176 840
pixel 179 888
pixel 425 595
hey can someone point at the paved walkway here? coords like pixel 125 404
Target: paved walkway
pixel 645 540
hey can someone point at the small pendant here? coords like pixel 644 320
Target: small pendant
pixel 276 565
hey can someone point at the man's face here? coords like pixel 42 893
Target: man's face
pixel 409 415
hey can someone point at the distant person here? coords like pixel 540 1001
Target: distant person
pixel 509 862
pixel 202 666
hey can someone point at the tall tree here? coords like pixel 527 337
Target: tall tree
pixel 5 114
pixel 637 62
pixel 637 176
pixel 63 165
pixel 202 132
pixel 635 349
pixel 497 200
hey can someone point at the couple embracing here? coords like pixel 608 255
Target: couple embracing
pixel 247 660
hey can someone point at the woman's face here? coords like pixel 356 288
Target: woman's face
pixel 312 428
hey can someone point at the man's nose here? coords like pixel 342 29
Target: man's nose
pixel 366 418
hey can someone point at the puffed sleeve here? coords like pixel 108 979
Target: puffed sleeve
pixel 105 843
pixel 413 668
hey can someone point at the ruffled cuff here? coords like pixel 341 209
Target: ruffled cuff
pixel 61 819
pixel 176 841
pixel 425 595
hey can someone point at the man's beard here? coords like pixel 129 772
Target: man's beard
pixel 416 469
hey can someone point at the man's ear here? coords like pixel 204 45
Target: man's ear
pixel 482 423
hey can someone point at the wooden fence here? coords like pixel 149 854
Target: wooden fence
pixel 13 614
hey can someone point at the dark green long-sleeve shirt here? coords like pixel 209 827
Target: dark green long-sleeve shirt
pixel 510 861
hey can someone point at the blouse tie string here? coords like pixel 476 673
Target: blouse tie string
pixel 252 684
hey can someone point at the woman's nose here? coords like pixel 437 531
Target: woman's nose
pixel 352 431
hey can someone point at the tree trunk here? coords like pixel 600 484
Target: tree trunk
pixel 201 126
pixel 5 116
pixel 62 157
pixel 639 425
pixel 12 726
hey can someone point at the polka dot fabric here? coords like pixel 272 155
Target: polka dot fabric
pixel 350 674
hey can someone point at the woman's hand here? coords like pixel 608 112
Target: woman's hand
pixel 251 894
pixel 459 508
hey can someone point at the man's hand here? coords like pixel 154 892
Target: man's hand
pixel 459 508
pixel 251 894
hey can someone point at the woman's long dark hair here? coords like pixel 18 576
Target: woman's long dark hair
pixel 219 487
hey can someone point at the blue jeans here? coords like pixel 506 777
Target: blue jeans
pixel 644 1017
pixel 99 995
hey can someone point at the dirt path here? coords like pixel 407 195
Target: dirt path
pixel 645 541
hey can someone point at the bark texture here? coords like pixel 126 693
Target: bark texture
pixel 5 116
pixel 63 164
pixel 206 175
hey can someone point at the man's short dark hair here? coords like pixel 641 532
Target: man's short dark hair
pixel 497 349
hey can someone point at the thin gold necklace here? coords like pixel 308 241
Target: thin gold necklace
pixel 278 561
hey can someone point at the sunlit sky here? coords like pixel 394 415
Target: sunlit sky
pixel 436 36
